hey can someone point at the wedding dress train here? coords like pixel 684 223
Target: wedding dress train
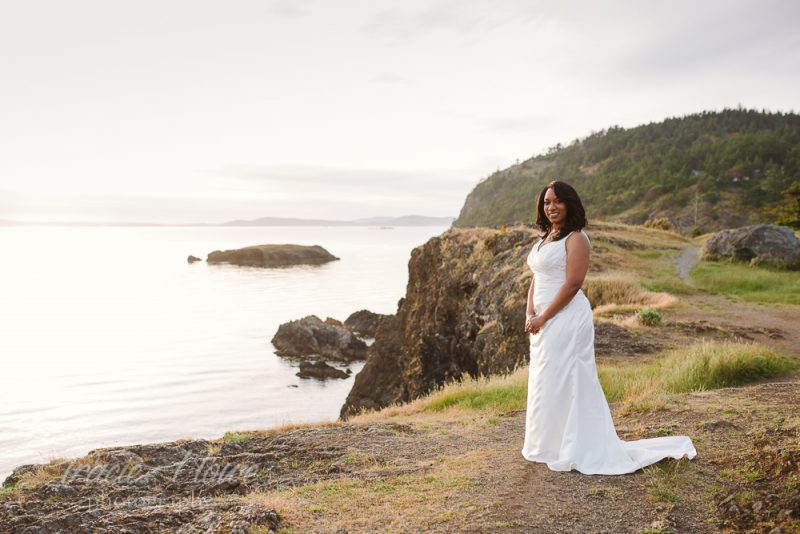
pixel 568 423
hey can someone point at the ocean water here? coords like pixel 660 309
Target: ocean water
pixel 109 337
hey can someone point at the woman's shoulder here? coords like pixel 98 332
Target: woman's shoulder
pixel 580 232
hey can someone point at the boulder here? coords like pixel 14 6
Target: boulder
pixel 364 322
pixel 272 255
pixel 319 370
pixel 766 244
pixel 192 259
pixel 310 336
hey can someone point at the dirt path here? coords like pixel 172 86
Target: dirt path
pixel 686 261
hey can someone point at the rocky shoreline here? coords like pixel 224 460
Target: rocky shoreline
pixel 183 486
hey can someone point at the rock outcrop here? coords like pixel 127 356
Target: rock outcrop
pixel 312 337
pixel 364 322
pixel 185 486
pixel 758 244
pixel 463 313
pixel 320 370
pixel 272 255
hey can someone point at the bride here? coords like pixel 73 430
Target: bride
pixel 568 422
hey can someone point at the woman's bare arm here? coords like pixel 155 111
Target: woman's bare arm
pixel 530 309
pixel 577 267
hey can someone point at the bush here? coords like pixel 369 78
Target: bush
pixel 662 223
pixel 648 317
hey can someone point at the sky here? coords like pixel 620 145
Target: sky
pixel 178 111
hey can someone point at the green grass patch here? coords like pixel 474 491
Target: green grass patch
pixel 702 366
pixel 664 480
pixel 649 317
pixel 656 271
pixel 762 284
pixel 483 393
pixel 236 437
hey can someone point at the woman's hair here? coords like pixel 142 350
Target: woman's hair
pixel 576 215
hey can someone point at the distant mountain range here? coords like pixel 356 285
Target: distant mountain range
pixel 404 220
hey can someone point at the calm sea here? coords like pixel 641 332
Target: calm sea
pixel 109 337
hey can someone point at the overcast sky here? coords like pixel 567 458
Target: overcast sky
pixel 205 111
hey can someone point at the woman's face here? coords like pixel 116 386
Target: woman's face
pixel 554 208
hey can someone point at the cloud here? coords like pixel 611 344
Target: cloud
pixel 288 8
pixel 708 38
pixel 390 78
pixel 514 125
pixel 465 19
pixel 355 178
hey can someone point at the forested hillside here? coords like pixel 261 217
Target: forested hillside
pixel 703 172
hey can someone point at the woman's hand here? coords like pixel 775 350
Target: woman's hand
pixel 534 323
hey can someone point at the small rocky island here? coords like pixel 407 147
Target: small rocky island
pixel 331 339
pixel 311 337
pixel 274 255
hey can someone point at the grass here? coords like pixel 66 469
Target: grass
pixel 651 262
pixel 701 366
pixel 637 386
pixel 421 499
pixel 761 284
pixel 472 400
pixel 657 273
pixel 236 437
pixel 479 394
pixel 664 480
pixel 611 291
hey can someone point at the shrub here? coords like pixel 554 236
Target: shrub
pixel 648 317
pixel 662 223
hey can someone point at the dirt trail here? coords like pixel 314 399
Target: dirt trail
pixel 687 260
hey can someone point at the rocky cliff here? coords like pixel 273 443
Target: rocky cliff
pixel 463 312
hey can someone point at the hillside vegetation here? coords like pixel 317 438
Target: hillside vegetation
pixel 704 172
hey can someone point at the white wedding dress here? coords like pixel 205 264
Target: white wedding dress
pixel 568 422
